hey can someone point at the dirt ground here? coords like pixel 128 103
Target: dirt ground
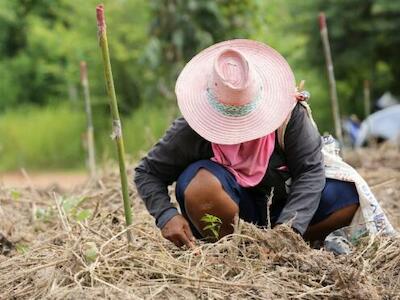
pixel 43 180
pixel 58 244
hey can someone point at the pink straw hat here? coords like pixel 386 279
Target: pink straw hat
pixel 236 91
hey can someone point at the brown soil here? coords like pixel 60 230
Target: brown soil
pixel 43 180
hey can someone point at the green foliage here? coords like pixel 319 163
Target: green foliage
pixel 15 195
pixel 90 252
pixel 44 214
pixel 144 127
pixel 21 248
pixel 56 135
pixel 364 38
pixel 43 41
pixel 82 215
pixel 181 28
pixel 49 137
pixel 70 205
pixel 71 208
pixel 213 225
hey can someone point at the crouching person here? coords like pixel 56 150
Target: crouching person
pixel 225 155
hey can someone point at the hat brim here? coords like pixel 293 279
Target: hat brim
pixel 277 99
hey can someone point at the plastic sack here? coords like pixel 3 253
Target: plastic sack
pixel 369 217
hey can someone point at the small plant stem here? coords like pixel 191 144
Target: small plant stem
pixel 90 131
pixel 116 122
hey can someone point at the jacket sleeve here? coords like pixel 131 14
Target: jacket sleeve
pixel 159 169
pixel 305 162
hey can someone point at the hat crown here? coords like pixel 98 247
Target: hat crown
pixel 233 82
pixel 236 91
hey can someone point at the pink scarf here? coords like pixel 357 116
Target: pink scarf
pixel 247 161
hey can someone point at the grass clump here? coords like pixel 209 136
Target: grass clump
pixel 47 137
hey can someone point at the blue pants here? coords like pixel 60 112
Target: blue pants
pixel 335 195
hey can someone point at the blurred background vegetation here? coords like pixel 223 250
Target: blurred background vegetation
pixel 42 121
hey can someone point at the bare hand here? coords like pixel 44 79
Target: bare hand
pixel 177 230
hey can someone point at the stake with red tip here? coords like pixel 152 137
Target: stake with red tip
pixel 116 122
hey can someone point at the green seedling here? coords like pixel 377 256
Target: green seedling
pixel 71 203
pixel 90 252
pixel 15 195
pixel 44 214
pixel 71 208
pixel 213 225
pixel 21 248
pixel 82 215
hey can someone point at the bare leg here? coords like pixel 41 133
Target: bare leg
pixel 338 219
pixel 205 195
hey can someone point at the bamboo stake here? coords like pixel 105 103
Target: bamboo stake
pixel 331 77
pixel 116 122
pixel 367 111
pixel 367 99
pixel 90 135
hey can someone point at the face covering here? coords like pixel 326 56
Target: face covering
pixel 247 161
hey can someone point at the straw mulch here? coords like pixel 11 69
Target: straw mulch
pixel 381 168
pixel 55 256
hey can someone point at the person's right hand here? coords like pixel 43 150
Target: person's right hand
pixel 177 230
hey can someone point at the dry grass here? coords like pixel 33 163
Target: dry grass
pixel 67 259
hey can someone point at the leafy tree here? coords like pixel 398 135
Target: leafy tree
pixel 364 36
pixel 29 75
pixel 180 28
pixel 42 42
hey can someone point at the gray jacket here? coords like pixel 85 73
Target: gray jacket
pixel 181 146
